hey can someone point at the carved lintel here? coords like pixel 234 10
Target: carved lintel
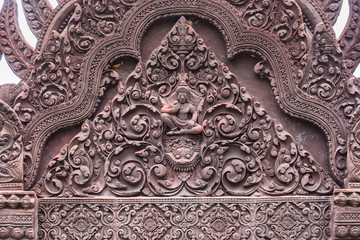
pixel 179 218
pixel 346 214
pixel 11 149
pixel 18 215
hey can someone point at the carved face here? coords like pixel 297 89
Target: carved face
pixel 182 97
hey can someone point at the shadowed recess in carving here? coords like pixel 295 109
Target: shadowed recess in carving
pixel 183 124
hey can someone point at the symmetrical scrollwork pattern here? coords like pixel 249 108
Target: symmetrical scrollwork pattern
pixel 66 40
pixel 183 124
pixel 197 219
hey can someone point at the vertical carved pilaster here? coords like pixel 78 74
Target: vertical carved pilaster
pixel 18 215
pixel 11 149
pixel 353 157
pixel 347 201
pixel 346 214
pixel 18 209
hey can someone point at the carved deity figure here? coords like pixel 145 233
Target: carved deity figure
pixel 181 116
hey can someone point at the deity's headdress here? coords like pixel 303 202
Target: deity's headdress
pixel 183 88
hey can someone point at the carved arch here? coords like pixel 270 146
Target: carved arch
pixel 291 74
pixel 79 108
pixel 140 17
pixel 138 144
pixel 295 102
pixel 221 14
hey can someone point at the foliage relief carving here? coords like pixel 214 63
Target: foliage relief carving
pixel 56 76
pixel 151 140
pixel 37 12
pixel 11 148
pixel 169 219
pixel 16 50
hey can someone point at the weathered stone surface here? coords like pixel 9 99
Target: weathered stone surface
pixel 18 215
pixel 183 125
pixel 132 121
pixel 8 93
pixel 179 218
pixel 346 214
pixel 11 149
pixel 296 62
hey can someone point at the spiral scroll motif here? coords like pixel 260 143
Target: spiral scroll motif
pixel 182 123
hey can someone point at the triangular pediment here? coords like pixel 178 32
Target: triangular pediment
pixel 183 125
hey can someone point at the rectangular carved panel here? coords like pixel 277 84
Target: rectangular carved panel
pixel 346 214
pixel 18 215
pixel 191 218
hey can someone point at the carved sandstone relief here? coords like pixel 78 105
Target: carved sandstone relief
pixel 58 75
pixel 11 149
pixel 37 12
pixel 181 127
pixel 347 41
pixel 16 50
pixel 320 71
pixel 346 214
pixel 220 219
pixel 18 215
pixel 182 124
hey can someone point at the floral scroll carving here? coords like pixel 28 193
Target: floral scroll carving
pixel 37 12
pixel 170 219
pixel 13 45
pixel 178 148
pixel 73 33
pixel 11 149
pixel 353 161
pixel 320 72
pixel 56 77
pixel 347 41
pixel 331 9
pixel 182 124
